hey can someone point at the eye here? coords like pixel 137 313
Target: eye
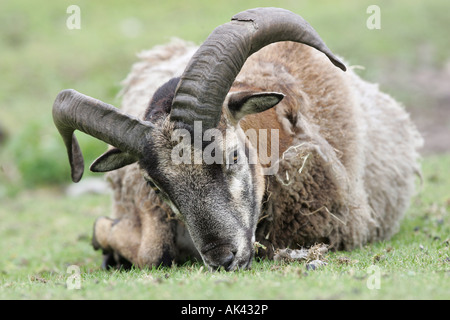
pixel 153 186
pixel 234 157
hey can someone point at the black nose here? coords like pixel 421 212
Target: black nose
pixel 222 256
pixel 226 260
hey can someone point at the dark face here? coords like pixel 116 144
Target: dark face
pixel 219 202
pixel 212 179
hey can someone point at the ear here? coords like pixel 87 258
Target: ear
pixel 111 160
pixel 244 103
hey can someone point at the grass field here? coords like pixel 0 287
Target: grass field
pixel 45 235
pixel 43 232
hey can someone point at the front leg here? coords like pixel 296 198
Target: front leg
pixel 119 241
pixel 144 235
pixel 124 243
pixel 157 245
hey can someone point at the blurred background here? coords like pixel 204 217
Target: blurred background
pixel 45 225
pixel 409 56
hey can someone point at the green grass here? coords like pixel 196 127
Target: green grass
pixel 43 232
pixel 47 232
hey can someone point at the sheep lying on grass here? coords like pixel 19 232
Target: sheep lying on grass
pixel 286 150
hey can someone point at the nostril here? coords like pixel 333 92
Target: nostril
pixel 227 260
pixel 222 256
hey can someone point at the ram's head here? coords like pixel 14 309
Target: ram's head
pixel 218 200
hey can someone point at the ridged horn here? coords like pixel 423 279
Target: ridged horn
pixel 213 68
pixel 75 111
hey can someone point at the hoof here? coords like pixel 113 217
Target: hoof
pixel 112 260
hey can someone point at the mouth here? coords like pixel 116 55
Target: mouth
pixel 241 265
pixel 226 259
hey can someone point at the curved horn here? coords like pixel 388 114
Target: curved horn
pixel 213 68
pixel 75 111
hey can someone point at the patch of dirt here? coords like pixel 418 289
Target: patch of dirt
pixel 433 119
pixel 434 125
pixel 428 87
